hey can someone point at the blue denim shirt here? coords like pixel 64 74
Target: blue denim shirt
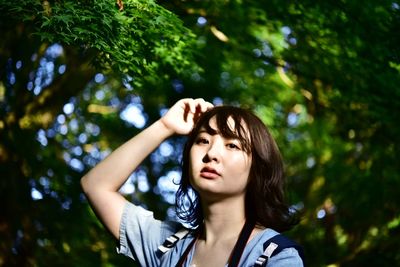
pixel 141 235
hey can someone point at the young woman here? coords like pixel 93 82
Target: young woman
pixel 231 192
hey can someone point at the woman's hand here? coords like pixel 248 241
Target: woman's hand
pixel 182 116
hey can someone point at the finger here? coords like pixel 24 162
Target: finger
pixel 199 102
pixel 207 106
pixel 198 105
pixel 202 105
pixel 191 103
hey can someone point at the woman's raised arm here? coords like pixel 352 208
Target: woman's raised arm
pixel 101 184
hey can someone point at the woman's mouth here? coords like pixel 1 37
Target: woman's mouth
pixel 209 173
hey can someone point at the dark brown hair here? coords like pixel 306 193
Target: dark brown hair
pixel 264 201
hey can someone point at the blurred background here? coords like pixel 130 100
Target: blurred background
pixel 78 78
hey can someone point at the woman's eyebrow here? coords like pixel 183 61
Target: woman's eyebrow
pixel 209 131
pixel 202 131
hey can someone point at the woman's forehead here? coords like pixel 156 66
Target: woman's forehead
pixel 225 126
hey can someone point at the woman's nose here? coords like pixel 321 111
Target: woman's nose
pixel 213 153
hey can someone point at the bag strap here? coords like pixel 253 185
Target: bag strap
pixel 274 245
pixel 171 241
pixel 241 243
pixel 236 254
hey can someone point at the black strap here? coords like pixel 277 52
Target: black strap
pixel 284 242
pixel 171 241
pixel 281 242
pixel 237 250
pixel 189 247
pixel 186 253
pixel 241 243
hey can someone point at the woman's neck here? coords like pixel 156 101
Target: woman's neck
pixel 223 220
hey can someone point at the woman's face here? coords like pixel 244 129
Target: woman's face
pixel 219 167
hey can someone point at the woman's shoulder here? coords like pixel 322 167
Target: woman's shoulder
pixel 273 247
pixel 261 234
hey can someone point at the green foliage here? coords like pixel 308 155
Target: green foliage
pixel 137 40
pixel 323 75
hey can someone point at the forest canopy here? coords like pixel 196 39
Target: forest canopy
pixel 78 78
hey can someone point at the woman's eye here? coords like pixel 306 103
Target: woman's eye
pixel 201 141
pixel 233 146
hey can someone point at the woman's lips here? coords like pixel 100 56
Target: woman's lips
pixel 209 173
